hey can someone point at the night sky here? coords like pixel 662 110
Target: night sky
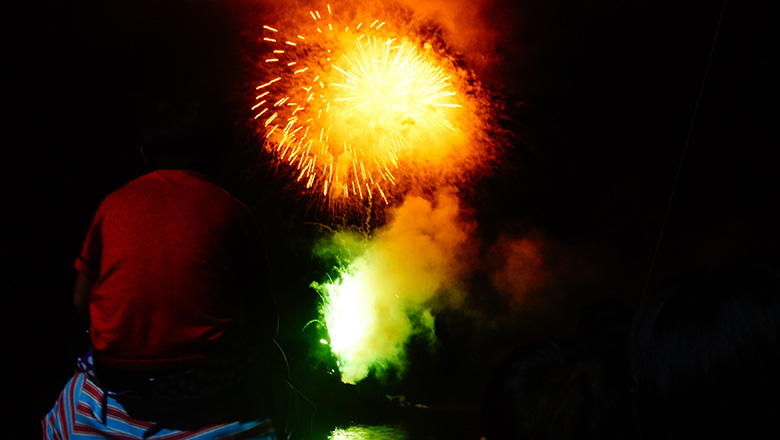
pixel 600 99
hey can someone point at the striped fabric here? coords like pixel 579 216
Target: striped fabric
pixel 78 414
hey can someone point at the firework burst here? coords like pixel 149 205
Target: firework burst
pixel 351 106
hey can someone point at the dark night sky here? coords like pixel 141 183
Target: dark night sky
pixel 608 95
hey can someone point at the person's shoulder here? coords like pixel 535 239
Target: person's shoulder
pixel 133 186
pixel 171 180
pixel 210 188
pixel 205 181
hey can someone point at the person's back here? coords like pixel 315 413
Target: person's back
pixel 170 257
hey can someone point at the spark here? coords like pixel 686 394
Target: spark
pixel 368 99
pixel 268 83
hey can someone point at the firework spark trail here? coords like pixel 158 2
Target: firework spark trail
pixel 351 104
pixel 365 109
pixel 386 292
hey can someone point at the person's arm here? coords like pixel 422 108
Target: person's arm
pixel 81 297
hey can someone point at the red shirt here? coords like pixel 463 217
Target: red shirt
pixel 167 254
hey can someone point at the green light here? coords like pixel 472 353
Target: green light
pixel 369 432
pixel 381 290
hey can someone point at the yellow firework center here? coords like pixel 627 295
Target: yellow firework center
pixel 345 105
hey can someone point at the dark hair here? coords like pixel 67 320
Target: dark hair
pixel 705 355
pixel 554 391
pixel 185 130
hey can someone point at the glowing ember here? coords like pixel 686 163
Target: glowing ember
pixel 347 102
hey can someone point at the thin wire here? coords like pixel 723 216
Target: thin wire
pixel 682 157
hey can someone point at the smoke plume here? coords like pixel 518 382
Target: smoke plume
pixel 387 291
pixel 474 28
pixel 520 268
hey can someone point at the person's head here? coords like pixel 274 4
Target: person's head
pixel 554 391
pixel 705 355
pixel 185 129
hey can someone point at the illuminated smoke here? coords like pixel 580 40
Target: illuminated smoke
pixel 388 286
pixel 360 432
pixel 358 103
pixel 367 103
pixel 473 28
pixel 520 267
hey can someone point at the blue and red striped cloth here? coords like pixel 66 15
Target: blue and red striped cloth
pixel 79 414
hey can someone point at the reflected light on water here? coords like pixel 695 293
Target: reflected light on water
pixel 368 432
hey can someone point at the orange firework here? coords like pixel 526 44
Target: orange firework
pixel 348 102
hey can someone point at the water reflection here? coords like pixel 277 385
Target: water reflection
pixel 369 432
